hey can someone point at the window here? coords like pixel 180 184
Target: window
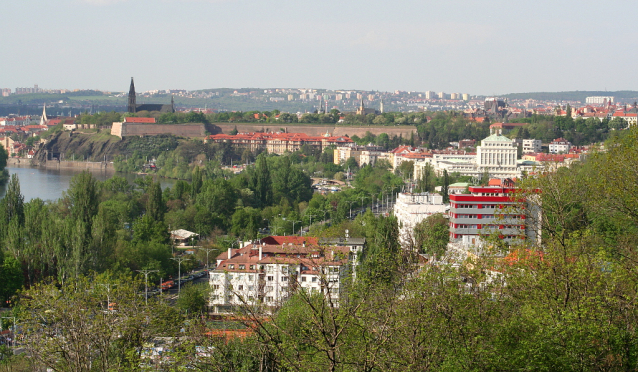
pixel 216 287
pixel 231 266
pixel 252 267
pixel 242 267
pixel 270 278
pixel 269 289
pixel 284 278
pixel 314 279
pixel 251 277
pixel 251 288
pixel 240 288
pixel 303 278
pixel 269 299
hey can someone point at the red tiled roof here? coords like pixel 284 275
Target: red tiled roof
pixel 130 119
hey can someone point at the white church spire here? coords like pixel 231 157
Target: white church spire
pixel 44 119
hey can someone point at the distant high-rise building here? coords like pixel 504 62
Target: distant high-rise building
pixel 381 106
pixel 599 100
pixel 454 96
pixel 6 92
pixel 370 97
pixel 291 97
pixel 430 94
pixel 466 97
pixel 441 95
pixel 339 97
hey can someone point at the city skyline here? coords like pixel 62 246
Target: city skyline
pixel 461 46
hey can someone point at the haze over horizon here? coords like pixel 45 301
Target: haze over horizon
pixel 461 46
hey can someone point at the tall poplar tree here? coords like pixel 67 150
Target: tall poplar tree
pixel 262 183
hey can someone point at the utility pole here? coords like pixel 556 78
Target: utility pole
pixel 108 293
pixel 179 261
pixel 146 272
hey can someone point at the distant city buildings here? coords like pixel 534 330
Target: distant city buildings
pixel 279 143
pixel 599 100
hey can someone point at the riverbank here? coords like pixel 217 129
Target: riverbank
pixel 64 164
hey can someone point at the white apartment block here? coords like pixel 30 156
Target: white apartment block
pixel 266 272
pixel 412 208
pixel 599 100
pixel 531 146
pixel 560 145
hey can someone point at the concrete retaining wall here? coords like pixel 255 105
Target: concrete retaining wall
pixel 136 129
pixel 95 165
pixel 317 130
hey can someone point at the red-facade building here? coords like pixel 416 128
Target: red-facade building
pixel 490 210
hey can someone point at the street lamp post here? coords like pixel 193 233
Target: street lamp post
pixel 362 199
pixel 108 293
pixel 179 261
pixel 146 272
pixel 350 201
pixel 207 250
pixel 310 216
pixel 293 226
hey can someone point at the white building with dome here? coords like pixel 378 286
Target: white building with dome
pixel 497 156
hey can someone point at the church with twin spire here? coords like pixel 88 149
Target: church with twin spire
pixel 133 107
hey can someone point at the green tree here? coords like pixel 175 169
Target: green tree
pixel 193 298
pixel 445 189
pixel 155 207
pixel 432 235
pixel 426 182
pixel 261 182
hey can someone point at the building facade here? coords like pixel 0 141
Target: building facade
pixel 412 208
pixel 497 155
pixel 492 210
pixel 267 271
pixel 531 146
pixel 560 146
pixel 279 143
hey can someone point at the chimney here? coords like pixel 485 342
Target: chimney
pixel 230 253
pixel 260 252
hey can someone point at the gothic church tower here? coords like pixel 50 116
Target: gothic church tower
pixel 131 98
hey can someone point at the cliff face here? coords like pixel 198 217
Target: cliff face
pixel 66 145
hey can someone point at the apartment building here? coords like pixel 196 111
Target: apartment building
pixel 279 143
pixel 559 146
pixel 492 210
pixel 531 146
pixel 412 208
pixel 267 271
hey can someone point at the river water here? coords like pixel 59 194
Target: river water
pixel 49 184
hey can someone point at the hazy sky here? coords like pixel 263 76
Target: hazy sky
pixel 467 46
